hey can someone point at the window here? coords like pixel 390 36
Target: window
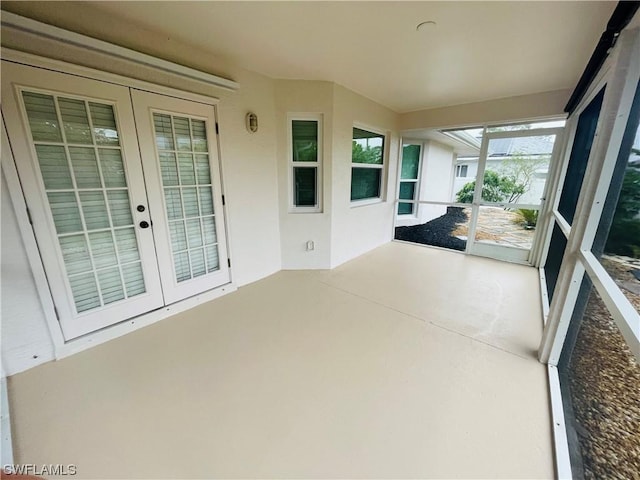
pixel 305 161
pixel 367 165
pixel 461 171
pixel 409 173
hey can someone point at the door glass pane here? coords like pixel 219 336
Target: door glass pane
pixel 75 120
pixel 43 119
pixel 516 169
pixel 94 210
pixel 202 169
pixel 169 169
pixel 120 208
pixel 54 167
pixel 187 172
pixel 127 245
pixel 197 262
pixel 199 136
pixel 111 285
pixel 88 197
pixel 85 167
pixel 133 279
pixel 183 138
pixel 212 258
pixel 66 215
pixel 85 292
pixel 180 142
pixel 105 130
pixel 76 254
pixel 178 236
pixel 112 168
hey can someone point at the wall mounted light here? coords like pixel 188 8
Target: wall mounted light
pixel 252 122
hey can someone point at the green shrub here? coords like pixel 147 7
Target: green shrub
pixel 495 188
pixel 527 217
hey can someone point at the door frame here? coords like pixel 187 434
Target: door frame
pixel 505 252
pixel 62 347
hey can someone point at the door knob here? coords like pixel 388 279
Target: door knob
pixel 144 224
pixel 140 208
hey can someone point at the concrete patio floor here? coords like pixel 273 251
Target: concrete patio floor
pixel 407 362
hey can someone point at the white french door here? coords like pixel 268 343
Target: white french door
pixel 180 161
pixel 117 239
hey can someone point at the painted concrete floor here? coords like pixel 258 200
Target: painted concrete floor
pixel 405 362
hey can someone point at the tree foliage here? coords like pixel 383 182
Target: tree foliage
pixel 521 170
pixel 495 188
pixel 509 183
pixel 371 155
pixel 624 235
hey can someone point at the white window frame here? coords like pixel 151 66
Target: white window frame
pixel 459 168
pixel 293 208
pixel 416 181
pixel 383 166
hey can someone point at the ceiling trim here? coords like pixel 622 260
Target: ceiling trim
pixel 89 43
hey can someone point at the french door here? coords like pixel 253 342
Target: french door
pixel 124 195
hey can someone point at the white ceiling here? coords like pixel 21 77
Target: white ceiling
pixel 477 51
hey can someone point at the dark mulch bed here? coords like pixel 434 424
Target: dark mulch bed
pixel 437 232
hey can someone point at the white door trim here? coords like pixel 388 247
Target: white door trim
pixel 62 347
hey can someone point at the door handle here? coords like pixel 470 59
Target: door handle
pixel 144 224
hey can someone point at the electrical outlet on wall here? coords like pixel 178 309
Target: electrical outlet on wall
pixel 310 245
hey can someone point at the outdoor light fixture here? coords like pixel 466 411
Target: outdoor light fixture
pixel 252 122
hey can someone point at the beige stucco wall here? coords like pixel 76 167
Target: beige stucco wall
pixel 296 229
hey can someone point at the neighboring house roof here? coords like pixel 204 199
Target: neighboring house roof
pixel 506 147
pixel 539 145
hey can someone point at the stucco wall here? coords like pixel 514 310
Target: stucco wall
pixel 304 97
pixel 358 229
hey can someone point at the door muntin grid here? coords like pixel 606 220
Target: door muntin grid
pixel 77 146
pixel 183 155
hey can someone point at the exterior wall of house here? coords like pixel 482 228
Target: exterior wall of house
pixel 358 229
pixel 296 229
pixel 531 196
pixel 249 165
pixel 436 170
pixel 26 341
pixel 436 180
